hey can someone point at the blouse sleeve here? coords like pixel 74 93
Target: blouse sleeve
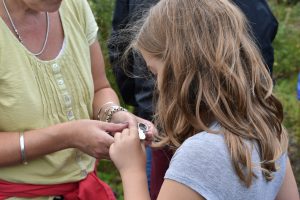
pixel 85 17
pixel 90 26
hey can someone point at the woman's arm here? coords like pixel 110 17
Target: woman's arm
pixel 37 143
pixel 288 188
pixel 103 92
pixel 89 136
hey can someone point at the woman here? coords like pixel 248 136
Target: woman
pixel 52 82
pixel 215 106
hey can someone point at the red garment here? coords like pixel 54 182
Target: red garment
pixel 89 188
pixel 160 164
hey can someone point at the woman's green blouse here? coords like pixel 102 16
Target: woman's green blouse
pixel 36 94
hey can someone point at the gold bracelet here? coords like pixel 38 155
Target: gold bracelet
pixel 22 148
pixel 101 108
pixel 111 110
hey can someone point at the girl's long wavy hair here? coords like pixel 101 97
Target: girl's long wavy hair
pixel 213 71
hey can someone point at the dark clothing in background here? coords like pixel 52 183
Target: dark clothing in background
pixel 138 92
pixel 135 91
pixel 264 26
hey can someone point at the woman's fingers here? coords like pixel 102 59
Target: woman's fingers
pixel 112 127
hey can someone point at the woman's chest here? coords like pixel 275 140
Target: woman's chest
pixel 35 95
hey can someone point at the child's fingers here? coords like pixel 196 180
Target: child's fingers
pixel 125 132
pixel 143 146
pixel 134 132
pixel 118 137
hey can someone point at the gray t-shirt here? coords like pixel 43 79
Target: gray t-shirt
pixel 203 164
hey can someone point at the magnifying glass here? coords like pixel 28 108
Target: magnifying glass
pixel 142 129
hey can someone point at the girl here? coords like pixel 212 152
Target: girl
pixel 215 107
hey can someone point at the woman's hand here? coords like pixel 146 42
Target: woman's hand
pixel 123 116
pixel 152 130
pixel 127 152
pixel 93 137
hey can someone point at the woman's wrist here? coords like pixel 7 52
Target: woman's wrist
pixel 65 134
pixel 101 111
pixel 22 148
pixel 107 111
pixel 31 144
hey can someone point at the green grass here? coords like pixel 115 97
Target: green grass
pixel 286 68
pixel 108 173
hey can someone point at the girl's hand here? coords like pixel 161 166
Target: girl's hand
pixel 127 152
pixel 122 116
pixel 92 137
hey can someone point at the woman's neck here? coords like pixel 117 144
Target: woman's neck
pixel 19 8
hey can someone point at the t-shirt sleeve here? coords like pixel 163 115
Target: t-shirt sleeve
pixel 199 164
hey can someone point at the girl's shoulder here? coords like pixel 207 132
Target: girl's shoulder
pixel 206 143
pixel 204 149
pixel 203 163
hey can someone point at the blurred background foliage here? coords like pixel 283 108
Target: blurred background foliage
pixel 286 68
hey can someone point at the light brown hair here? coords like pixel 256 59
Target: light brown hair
pixel 213 71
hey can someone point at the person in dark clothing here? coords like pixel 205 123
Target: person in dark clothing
pixel 263 25
pixel 137 91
